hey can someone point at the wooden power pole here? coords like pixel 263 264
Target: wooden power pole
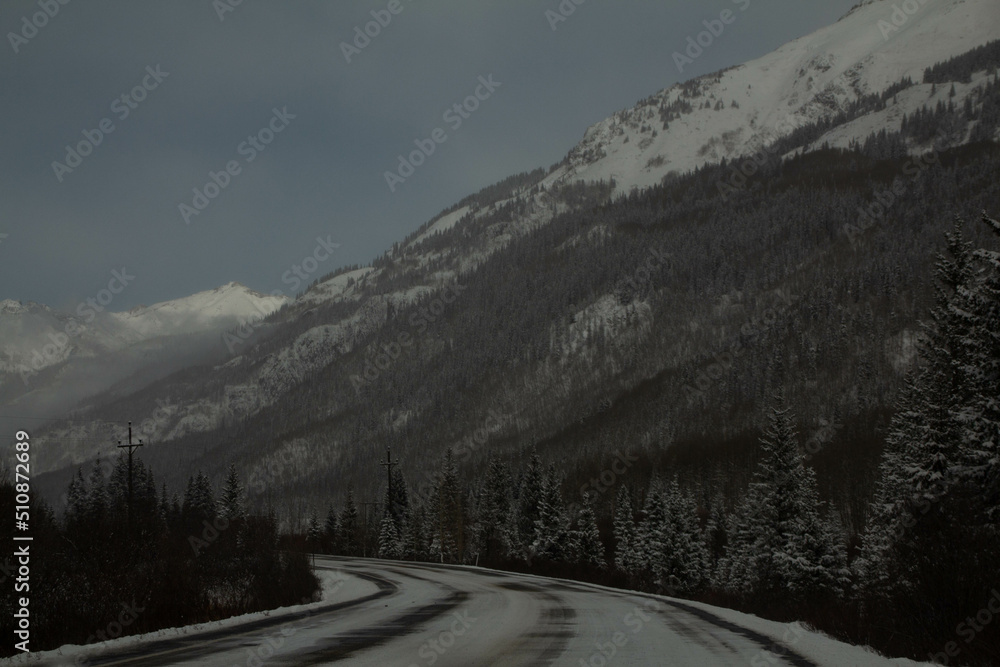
pixel 131 448
pixel 387 464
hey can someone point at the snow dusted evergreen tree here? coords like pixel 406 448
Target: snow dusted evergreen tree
pixel 587 539
pixel 552 536
pixel 935 489
pixel 314 533
pixel 388 539
pixel 529 503
pixel 492 539
pixel 415 538
pixel 649 533
pixel 398 501
pixel 875 567
pixel 76 503
pixel 981 419
pixel 682 564
pixel 626 558
pixel 447 515
pixel 232 496
pixel 350 527
pixel 96 508
pixel 331 530
pixel 922 447
pixel 778 543
pixel 199 500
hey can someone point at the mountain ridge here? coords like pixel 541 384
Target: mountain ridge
pixel 349 326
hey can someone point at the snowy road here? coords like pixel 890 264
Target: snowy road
pixel 389 613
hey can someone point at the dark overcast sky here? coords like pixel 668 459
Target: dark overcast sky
pixel 323 174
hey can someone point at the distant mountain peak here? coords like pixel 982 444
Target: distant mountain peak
pixel 9 306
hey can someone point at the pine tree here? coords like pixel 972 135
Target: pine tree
pixel 398 502
pixel 981 418
pixel 331 532
pixel 314 533
pixel 529 503
pixel 875 568
pixel 552 537
pixel 199 500
pixel 778 544
pixel 232 496
pixel 492 540
pixel 589 548
pixel 626 558
pixel 682 565
pixel 388 538
pixel 415 537
pixel 350 527
pixel 76 498
pixel 448 526
pixel 649 532
pixel 902 545
pixel 97 498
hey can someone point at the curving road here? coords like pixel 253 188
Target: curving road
pixel 389 613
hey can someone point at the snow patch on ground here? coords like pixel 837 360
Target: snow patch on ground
pixel 338 288
pixel 442 224
pixel 337 586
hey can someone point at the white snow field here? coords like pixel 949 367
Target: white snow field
pixel 389 613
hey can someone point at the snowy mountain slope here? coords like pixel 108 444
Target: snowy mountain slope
pixel 808 79
pixel 757 102
pixel 25 329
pixel 220 308
pixel 51 360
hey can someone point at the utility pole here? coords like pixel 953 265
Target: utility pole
pixel 131 448
pixel 387 464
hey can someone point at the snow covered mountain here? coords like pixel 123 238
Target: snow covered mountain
pixel 307 370
pixel 48 358
pixel 738 111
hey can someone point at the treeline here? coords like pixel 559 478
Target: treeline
pixel 916 580
pixel 961 68
pixel 111 568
